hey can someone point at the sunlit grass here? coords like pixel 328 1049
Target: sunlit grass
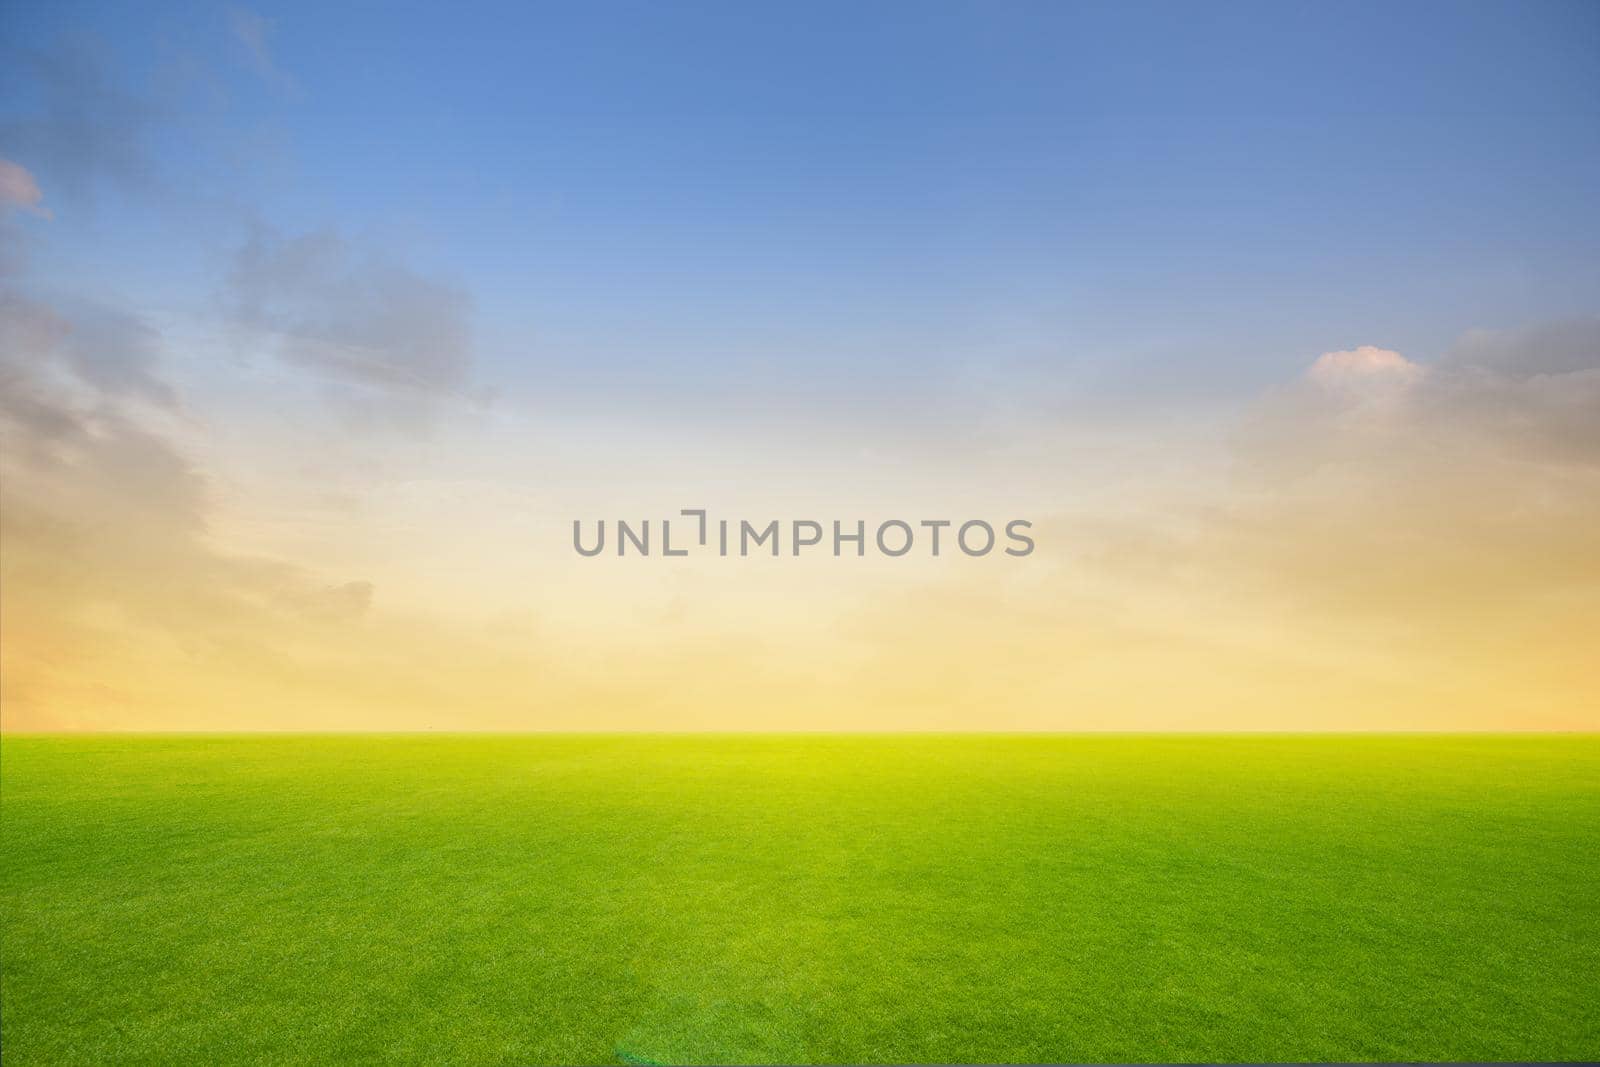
pixel 744 899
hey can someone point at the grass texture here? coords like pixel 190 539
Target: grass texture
pixel 748 899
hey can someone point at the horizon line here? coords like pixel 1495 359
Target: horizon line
pixel 1531 732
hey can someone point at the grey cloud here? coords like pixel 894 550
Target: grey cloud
pixel 107 349
pixel 354 316
pixel 1535 392
pixel 1529 397
pixel 87 134
pixel 102 511
pixel 96 463
pixel 1473 482
pixel 1552 348
pixel 118 353
pixel 70 417
pixel 386 340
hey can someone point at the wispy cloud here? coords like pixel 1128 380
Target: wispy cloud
pixel 353 316
pixel 254 33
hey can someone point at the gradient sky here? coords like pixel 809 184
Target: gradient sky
pixel 322 322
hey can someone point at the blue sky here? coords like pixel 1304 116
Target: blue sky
pixel 320 323
pixel 1142 199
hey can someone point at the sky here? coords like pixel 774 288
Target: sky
pixel 320 324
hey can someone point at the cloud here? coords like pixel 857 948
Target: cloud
pixel 1455 519
pixel 353 316
pixel 134 594
pixel 109 350
pixel 87 134
pixel 1363 369
pixel 1529 397
pixel 1510 410
pixel 1566 347
pixel 385 340
pixel 255 32
pixel 1533 394
pixel 110 575
pixel 18 190
pixel 1389 543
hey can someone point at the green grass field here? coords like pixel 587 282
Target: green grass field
pixel 497 900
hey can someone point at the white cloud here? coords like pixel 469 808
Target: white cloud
pixel 1364 370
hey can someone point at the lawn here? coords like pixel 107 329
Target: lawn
pixel 664 899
